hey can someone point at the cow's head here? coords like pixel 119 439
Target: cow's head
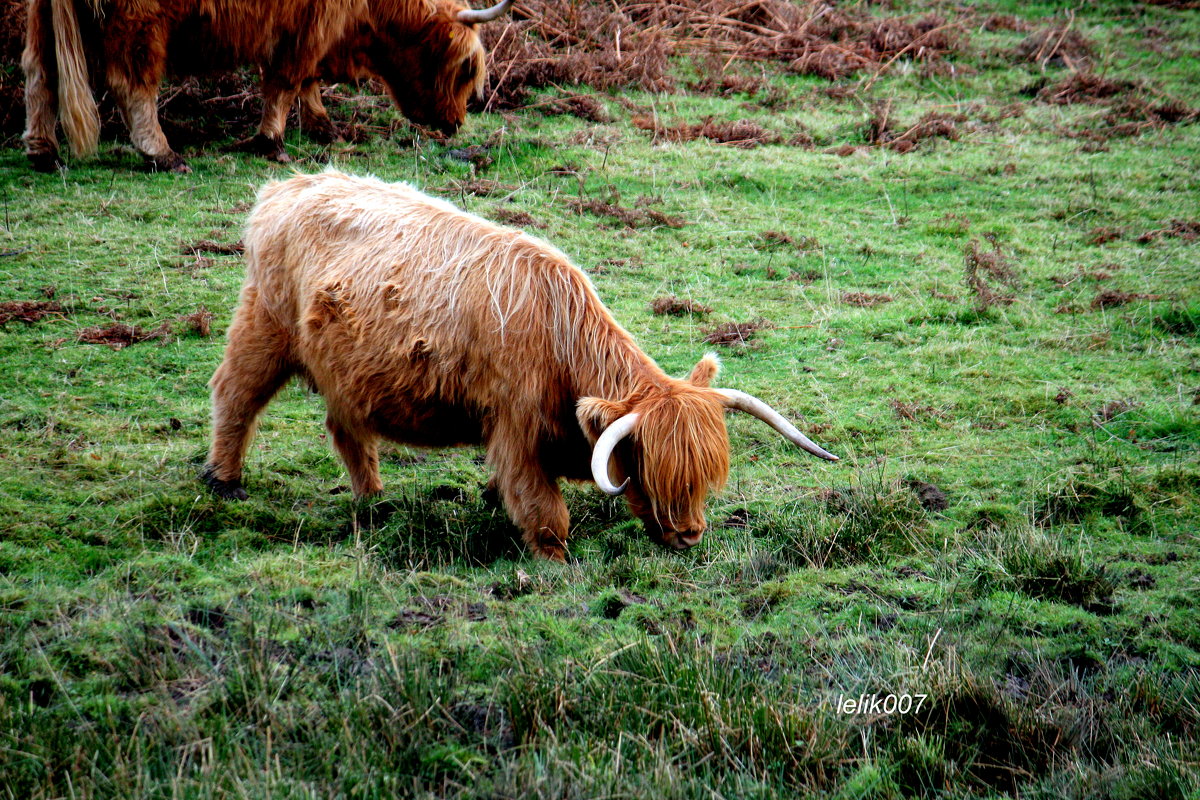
pixel 435 65
pixel 668 448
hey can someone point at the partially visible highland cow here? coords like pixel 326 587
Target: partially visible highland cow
pixel 427 52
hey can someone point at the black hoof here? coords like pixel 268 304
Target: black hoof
pixel 226 490
pixel 323 132
pixel 171 162
pixel 265 146
pixel 44 161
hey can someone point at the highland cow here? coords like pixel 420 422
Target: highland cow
pixel 426 325
pixel 427 52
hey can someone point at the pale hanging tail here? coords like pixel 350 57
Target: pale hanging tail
pixel 76 104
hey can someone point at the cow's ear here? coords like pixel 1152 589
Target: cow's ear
pixel 705 370
pixel 595 414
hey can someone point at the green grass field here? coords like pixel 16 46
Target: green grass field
pixel 997 331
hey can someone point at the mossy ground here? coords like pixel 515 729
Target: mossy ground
pixel 157 642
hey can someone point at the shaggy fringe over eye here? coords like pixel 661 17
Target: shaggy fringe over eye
pixel 684 451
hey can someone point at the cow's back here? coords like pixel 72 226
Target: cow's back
pixel 381 285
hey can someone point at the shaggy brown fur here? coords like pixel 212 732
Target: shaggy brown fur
pixel 431 63
pixel 427 325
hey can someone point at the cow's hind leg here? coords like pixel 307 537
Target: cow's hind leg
pixel 256 366
pixel 359 451
pixel 134 73
pixel 41 105
pixel 314 119
pixel 278 95
pixel 532 497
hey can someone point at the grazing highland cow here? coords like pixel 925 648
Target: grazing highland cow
pixel 427 52
pixel 430 326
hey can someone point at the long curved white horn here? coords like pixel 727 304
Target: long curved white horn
pixel 602 452
pixel 471 16
pixel 757 408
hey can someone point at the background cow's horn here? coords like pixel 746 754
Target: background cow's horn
pixel 755 407
pixel 602 452
pixel 470 16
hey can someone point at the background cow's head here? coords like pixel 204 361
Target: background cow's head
pixel 668 449
pixel 433 66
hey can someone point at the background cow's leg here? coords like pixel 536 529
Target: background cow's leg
pixel 314 119
pixel 41 104
pixel 135 85
pixel 278 95
pixel 255 367
pixel 360 453
pixel 532 497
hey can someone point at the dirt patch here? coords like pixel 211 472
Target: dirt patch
pixel 518 219
pixel 118 335
pixel 477 155
pixel 929 496
pixel 865 299
pixel 735 334
pixel 1186 229
pixel 200 246
pixel 1111 298
pixel 1058 46
pixel 676 307
pixel 629 217
pixel 27 311
pixel 740 519
pixel 742 133
pixel 1113 409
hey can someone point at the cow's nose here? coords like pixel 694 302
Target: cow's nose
pixel 690 538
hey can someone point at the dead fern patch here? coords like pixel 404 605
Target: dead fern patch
pixel 865 299
pixel 27 311
pixel 479 187
pixel 1082 87
pixel 1058 46
pixel 583 106
pixel 735 334
pixel 118 335
pixel 982 265
pixel 518 219
pixel 200 246
pixel 629 217
pixel 742 133
pixel 1111 298
pixel 670 305
pixel 1186 229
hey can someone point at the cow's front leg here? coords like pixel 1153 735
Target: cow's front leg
pixel 532 497
pixel 255 367
pixel 41 105
pixel 278 96
pixel 314 119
